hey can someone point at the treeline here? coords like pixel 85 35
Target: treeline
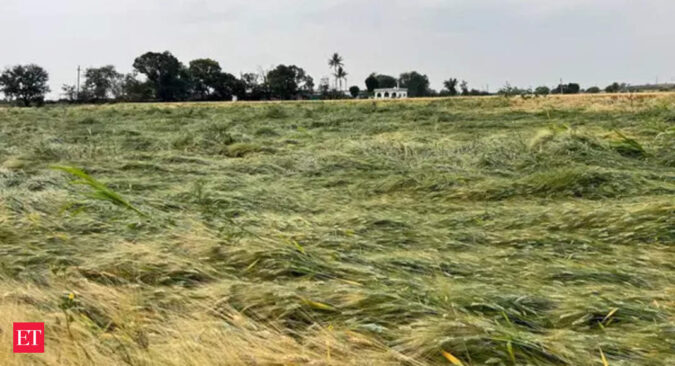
pixel 162 77
pixel 574 88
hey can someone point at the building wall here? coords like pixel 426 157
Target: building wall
pixel 390 94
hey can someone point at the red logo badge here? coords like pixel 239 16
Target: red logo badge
pixel 29 337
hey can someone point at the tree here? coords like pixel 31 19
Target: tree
pixel 306 83
pixel 571 88
pixel 464 86
pixel 285 82
pixel 168 77
pixel 224 86
pixel 354 91
pixel 250 79
pixel 372 83
pixel 340 75
pixel 324 87
pixel 478 92
pixel 100 83
pixel 131 89
pixel 335 62
pixel 255 86
pixel 25 85
pixel 416 83
pixel 205 75
pixel 615 87
pixel 385 81
pixel 508 90
pixel 451 86
pixel 282 82
pixel 69 92
pixel 542 90
pixel 593 90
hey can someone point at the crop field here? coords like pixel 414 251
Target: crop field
pixel 460 231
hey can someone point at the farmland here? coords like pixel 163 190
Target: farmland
pixel 441 231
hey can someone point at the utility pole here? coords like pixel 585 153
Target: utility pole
pixel 562 89
pixel 78 83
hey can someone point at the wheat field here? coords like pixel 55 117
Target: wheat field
pixel 460 231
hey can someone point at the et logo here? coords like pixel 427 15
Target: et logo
pixel 29 337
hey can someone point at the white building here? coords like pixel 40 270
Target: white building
pixel 390 93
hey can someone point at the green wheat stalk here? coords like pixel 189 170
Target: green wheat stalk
pixel 101 192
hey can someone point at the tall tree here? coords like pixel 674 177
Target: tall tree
pixel 226 85
pixel 205 73
pixel 255 86
pixel 372 83
pixel 288 82
pixel 386 81
pixel 25 84
pixel 416 83
pixel 451 86
pixel 131 89
pixel 100 82
pixel 335 62
pixel 464 86
pixel 168 76
pixel 340 75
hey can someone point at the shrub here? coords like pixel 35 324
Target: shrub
pixel 542 90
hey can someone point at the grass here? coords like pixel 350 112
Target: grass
pixel 464 231
pixel 100 190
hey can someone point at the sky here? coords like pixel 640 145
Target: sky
pixel 485 42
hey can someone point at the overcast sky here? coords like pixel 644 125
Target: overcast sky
pixel 486 42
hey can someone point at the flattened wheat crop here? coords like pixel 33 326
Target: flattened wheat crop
pixel 461 231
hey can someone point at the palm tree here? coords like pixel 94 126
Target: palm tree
pixel 335 62
pixel 340 74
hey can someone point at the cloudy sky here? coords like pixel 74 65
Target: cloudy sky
pixel 486 42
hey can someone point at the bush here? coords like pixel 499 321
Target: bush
pixel 542 90
pixel 615 87
pixel 571 88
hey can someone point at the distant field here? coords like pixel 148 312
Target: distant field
pixel 448 231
